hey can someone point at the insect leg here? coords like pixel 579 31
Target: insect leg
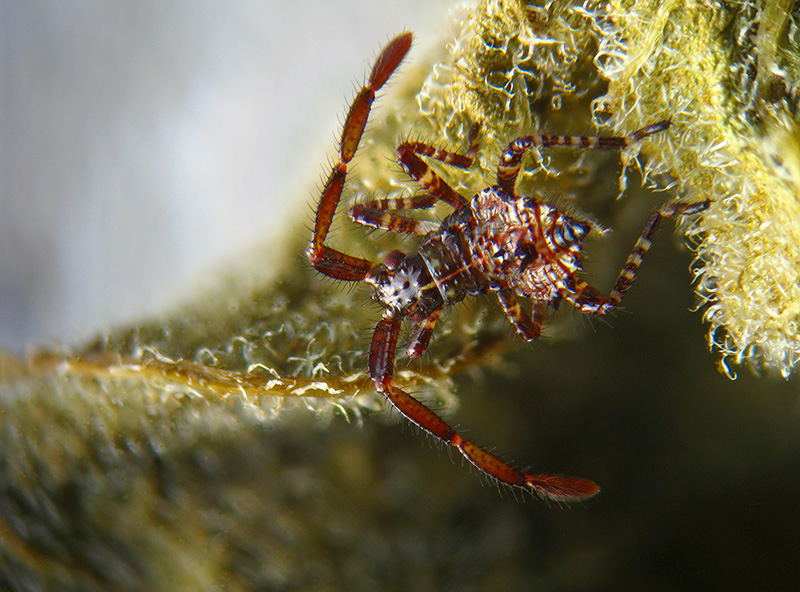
pixel 528 326
pixel 325 259
pixel 421 334
pixel 376 213
pixel 511 159
pixel 589 300
pixel 381 365
pixel 408 153
pixel 463 161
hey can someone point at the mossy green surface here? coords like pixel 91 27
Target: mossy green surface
pixel 727 75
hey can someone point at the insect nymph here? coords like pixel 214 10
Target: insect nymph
pixel 495 242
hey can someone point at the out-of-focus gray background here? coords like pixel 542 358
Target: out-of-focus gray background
pixel 140 142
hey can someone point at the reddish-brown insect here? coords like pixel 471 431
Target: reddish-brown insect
pixel 496 242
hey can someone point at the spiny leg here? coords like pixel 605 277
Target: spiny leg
pixel 463 161
pixel 421 334
pixel 528 326
pixel 381 365
pixel 408 153
pixel 589 300
pixel 511 159
pixel 376 213
pixel 329 261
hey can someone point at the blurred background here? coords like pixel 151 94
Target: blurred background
pixel 141 143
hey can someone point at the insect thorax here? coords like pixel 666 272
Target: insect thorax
pixel 500 242
pixel 525 245
pixel 440 272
